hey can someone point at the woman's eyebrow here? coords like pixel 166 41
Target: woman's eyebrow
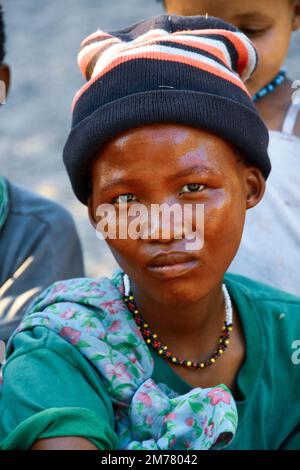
pixel 195 169
pixel 198 169
pixel 251 16
pixel 118 181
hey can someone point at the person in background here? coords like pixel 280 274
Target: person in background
pixel 270 248
pixel 39 243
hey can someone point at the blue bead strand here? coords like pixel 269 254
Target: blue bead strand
pixel 270 87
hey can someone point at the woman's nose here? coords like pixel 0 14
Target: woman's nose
pixel 164 222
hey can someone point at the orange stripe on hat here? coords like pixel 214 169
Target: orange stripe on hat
pixel 96 35
pixel 84 58
pixel 163 57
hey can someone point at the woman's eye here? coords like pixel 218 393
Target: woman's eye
pixel 124 198
pixel 192 188
pixel 252 32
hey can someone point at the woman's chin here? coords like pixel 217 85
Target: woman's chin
pixel 179 291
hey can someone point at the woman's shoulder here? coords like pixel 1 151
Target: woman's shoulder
pixel 258 294
pixel 76 289
pixel 269 314
pixel 259 290
pixel 271 320
pixel 80 292
pixel 75 305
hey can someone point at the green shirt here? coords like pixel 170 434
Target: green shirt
pixel 51 390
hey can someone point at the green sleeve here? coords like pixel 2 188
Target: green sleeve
pixel 50 390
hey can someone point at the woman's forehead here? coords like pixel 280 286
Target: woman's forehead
pixel 154 135
pixel 225 8
pixel 168 148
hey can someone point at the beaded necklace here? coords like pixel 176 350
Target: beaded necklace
pixel 270 87
pixel 153 340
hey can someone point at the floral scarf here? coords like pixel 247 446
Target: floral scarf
pixel 92 316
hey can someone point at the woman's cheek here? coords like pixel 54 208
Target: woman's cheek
pixel 271 53
pixel 223 221
pixel 122 254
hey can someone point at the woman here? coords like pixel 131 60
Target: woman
pixel 169 353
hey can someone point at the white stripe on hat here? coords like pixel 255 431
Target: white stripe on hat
pixel 172 51
pixel 252 59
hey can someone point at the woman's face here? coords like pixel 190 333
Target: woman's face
pixel 267 23
pixel 175 164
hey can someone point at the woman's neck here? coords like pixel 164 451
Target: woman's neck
pixel 189 330
pixel 273 107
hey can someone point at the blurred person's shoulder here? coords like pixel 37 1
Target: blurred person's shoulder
pixel 297 125
pixel 292 113
pixel 42 232
pixel 23 202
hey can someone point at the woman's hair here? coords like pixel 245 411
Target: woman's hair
pixel 242 157
pixel 89 181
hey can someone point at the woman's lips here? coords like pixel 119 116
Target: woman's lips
pixel 171 265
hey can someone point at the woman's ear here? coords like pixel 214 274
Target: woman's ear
pixel 91 211
pixel 255 186
pixel 296 15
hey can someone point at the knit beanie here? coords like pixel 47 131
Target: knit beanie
pixel 179 69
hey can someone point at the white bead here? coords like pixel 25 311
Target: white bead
pixel 228 305
pixel 126 284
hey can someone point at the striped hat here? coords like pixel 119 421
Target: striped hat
pixel 187 70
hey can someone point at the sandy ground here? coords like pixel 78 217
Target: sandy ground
pixel 43 41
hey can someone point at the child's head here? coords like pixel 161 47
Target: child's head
pixel 4 69
pixel 166 119
pixel 268 23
